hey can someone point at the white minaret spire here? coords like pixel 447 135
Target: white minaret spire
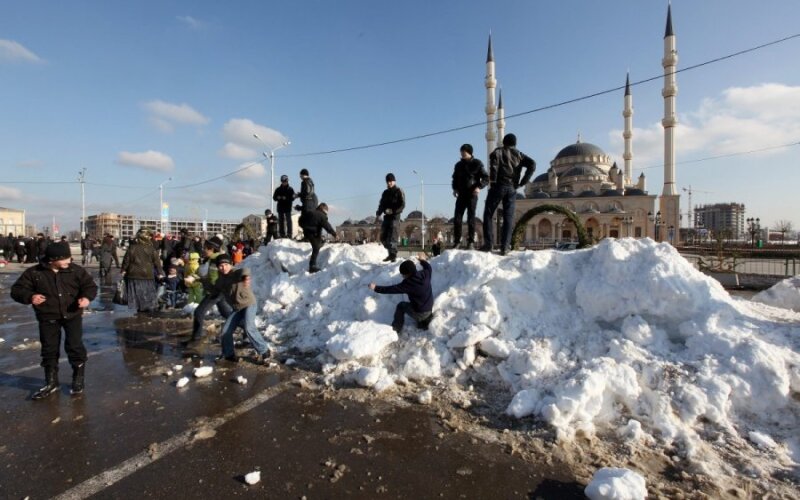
pixel 669 63
pixel 501 117
pixel 491 84
pixel 627 134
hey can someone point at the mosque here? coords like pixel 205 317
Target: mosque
pixel 585 180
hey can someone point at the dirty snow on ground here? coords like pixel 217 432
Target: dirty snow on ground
pixel 625 338
pixel 785 294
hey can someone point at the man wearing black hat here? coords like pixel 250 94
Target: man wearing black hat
pixel 417 284
pixel 209 273
pixel 392 203
pixel 59 292
pixel 272 226
pixel 505 169
pixel 307 196
pixel 284 194
pixel 469 177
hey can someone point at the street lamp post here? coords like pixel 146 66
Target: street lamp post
pixel 628 222
pixel 161 206
pixel 82 180
pixel 271 157
pixel 655 220
pixel 753 227
pixel 422 203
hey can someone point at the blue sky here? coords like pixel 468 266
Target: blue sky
pixel 137 92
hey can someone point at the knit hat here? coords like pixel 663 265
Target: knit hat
pixel 222 258
pixel 510 140
pixel 284 178
pixel 304 172
pixel 214 242
pixel 390 177
pixel 407 268
pixel 57 251
pixel 194 256
pixel 467 148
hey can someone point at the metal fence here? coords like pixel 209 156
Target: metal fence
pixel 783 267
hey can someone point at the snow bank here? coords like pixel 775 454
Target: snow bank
pixel 785 294
pixel 624 337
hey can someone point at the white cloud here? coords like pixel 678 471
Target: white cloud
pixel 238 152
pixel 149 160
pixel 739 119
pixel 248 171
pixel 11 51
pixel 241 131
pixel 9 193
pixel 165 115
pixel 192 22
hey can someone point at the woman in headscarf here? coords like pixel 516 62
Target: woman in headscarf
pixel 141 266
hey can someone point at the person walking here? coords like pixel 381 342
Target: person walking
pixel 140 267
pixel 505 169
pixel 417 285
pixel 19 247
pixel 107 248
pixel 284 195
pixel 208 273
pixel 313 223
pixel 234 286
pixel 392 203
pixel 59 291
pixel 272 226
pixel 469 177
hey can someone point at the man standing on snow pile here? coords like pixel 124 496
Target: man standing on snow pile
pixel 284 194
pixel 469 177
pixel 417 284
pixel 505 170
pixel 59 292
pixel 313 223
pixel 392 203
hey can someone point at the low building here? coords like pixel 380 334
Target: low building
pixel 12 220
pixel 124 226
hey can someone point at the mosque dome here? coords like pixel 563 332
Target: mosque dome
pixel 539 194
pixel 541 178
pixel 580 149
pixel 583 170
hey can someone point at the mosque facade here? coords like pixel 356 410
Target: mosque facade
pixel 586 180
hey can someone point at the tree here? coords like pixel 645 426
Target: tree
pixel 783 227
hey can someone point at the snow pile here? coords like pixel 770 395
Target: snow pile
pixel 625 337
pixel 785 294
pixel 610 483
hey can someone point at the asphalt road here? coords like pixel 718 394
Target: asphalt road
pixel 134 434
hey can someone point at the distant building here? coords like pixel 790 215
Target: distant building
pixel 409 229
pixel 125 226
pixel 722 217
pixel 12 220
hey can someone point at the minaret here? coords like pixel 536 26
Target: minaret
pixel 627 134
pixel 491 83
pixel 670 199
pixel 501 118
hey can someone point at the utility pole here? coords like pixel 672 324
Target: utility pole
pixel 82 180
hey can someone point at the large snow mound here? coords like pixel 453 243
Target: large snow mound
pixel 626 337
pixel 785 294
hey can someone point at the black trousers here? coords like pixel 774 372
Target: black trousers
pixel 271 235
pixel 389 234
pixel 205 305
pixel 464 202
pixel 404 308
pixel 285 224
pixel 316 244
pixel 50 337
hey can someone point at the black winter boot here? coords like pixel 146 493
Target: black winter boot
pixel 50 383
pixel 77 378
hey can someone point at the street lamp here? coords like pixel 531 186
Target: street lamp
pixel 422 212
pixel 656 220
pixel 753 227
pixel 161 206
pixel 82 180
pixel 271 157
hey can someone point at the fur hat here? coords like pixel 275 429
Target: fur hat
pixel 408 268
pixel 57 251
pixel 222 258
pixel 390 177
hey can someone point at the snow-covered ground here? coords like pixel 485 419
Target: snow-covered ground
pixel 785 294
pixel 624 338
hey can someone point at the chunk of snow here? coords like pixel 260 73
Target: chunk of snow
pixel 762 440
pixel 203 371
pixel 241 380
pixel 425 397
pixel 611 483
pixel 360 340
pixel 252 477
pixel 182 382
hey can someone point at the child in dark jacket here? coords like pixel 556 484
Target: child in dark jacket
pixel 417 284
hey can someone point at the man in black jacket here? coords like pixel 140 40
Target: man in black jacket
pixel 307 196
pixel 59 292
pixel 417 284
pixel 284 194
pixel 313 223
pixel 469 177
pixel 505 168
pixel 392 203
pixel 272 226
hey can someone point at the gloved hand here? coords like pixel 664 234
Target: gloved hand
pixel 388 211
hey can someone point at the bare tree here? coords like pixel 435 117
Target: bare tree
pixel 783 227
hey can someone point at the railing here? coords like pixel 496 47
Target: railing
pixel 783 267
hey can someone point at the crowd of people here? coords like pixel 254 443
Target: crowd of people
pixel 158 267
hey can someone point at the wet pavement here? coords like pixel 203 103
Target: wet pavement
pixel 134 434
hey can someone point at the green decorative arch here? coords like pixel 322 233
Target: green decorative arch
pixel 519 228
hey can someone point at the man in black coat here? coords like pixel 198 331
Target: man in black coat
pixel 59 292
pixel 272 226
pixel 307 195
pixel 284 194
pixel 313 223
pixel 392 203
pixel 469 177
pixel 417 284
pixel 505 169
pixel 19 248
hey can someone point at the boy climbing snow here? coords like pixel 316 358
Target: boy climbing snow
pixel 417 284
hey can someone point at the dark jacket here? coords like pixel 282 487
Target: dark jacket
pixel 232 287
pixel 314 222
pixel 284 196
pixel 140 260
pixel 272 224
pixel 62 290
pixel 468 175
pixel 418 288
pixel 506 164
pixel 392 199
pixel 308 198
